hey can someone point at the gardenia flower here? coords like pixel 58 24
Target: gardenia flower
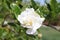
pixel 31 20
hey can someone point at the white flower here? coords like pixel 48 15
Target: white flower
pixel 31 20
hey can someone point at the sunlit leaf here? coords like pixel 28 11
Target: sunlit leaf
pixel 15 9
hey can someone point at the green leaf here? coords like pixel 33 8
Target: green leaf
pixel 34 5
pixel 15 9
pixel 53 4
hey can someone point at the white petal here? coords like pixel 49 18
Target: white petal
pixel 36 25
pixel 31 31
pixel 20 18
pixel 5 22
pixel 29 9
pixel 41 20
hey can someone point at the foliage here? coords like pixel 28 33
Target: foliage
pixel 53 11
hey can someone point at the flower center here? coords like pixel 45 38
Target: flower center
pixel 28 23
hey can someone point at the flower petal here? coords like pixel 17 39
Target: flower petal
pixel 31 31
